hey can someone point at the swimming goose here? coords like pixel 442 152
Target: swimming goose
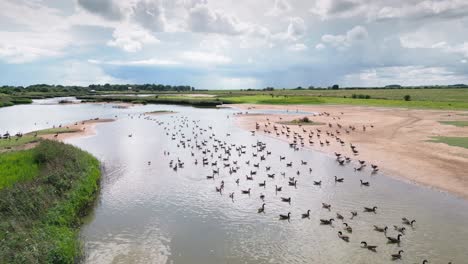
pixel 369 247
pixel 306 215
pixel 397 256
pixel 278 189
pixel 380 229
pixel 353 214
pixel 347 228
pixel 293 183
pixel 394 240
pixel 345 238
pixel 338 179
pixel 261 209
pixel 339 216
pixel 285 217
pixel 371 210
pixel 407 221
pixel 262 184
pixel 287 200
pixel 326 222
pixel 317 182
pixel 210 177
pixel 231 195
pixel 364 183
pixel 246 191
pixel 326 206
pixel 237 181
pixel 262 196
pixel 399 229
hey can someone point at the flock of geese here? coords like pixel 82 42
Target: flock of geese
pixel 212 151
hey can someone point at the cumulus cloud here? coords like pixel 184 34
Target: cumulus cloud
pixel 105 8
pixel 131 38
pixel 150 14
pixel 297 47
pixel 203 19
pixel 205 57
pixel 356 34
pixel 279 7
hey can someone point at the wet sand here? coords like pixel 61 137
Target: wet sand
pixel 398 142
pixel 83 129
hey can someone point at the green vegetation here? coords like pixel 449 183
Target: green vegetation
pixel 161 112
pixel 16 142
pixel 179 100
pixel 17 166
pixel 40 213
pixel 455 123
pixel 452 141
pixel 7 100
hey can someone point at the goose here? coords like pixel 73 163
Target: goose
pixel 219 189
pixel 262 184
pixel 246 191
pixel 399 229
pixel 397 256
pixel 237 181
pixel 271 176
pixel 262 196
pixel 363 183
pixel 394 240
pixel 353 214
pixel 249 178
pixel 261 209
pixel 380 229
pixel 326 222
pixel 407 221
pixel 348 228
pixel 326 206
pixel 345 238
pixel 425 261
pixel 339 216
pixel 278 189
pixel 293 183
pixel 369 247
pixel 306 215
pixel 210 177
pixel 338 179
pixel 286 200
pixel 368 209
pixel 317 182
pixel 285 217
pixel 231 195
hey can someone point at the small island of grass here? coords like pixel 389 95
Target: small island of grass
pixel 302 121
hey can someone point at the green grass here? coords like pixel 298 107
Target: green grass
pixel 59 130
pixel 7 100
pixel 452 141
pixel 455 123
pixel 40 217
pixel 16 142
pixel 17 166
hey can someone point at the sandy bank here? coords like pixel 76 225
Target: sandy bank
pixel 83 128
pixel 397 142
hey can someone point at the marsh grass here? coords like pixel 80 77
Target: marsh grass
pixel 39 217
pixel 452 141
pixel 455 123
pixel 17 166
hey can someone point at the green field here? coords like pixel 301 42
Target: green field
pixel 455 123
pixel 452 141
pixel 45 193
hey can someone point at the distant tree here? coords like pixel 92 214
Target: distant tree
pixel 407 97
pixel 335 87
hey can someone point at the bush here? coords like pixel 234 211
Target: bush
pixel 407 97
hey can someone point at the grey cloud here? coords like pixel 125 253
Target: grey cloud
pixel 105 8
pixel 150 14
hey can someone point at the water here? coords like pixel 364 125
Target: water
pixel 152 214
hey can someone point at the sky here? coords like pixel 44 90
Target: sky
pixel 234 44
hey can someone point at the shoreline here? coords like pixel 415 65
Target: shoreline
pixel 83 128
pixel 398 142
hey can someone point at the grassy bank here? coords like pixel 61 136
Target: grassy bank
pixel 452 141
pixel 45 193
pixel 455 123
pixel 17 142
pixel 7 100
pixel 177 100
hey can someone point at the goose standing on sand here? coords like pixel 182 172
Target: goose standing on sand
pixel 397 256
pixel 363 183
pixel 262 184
pixel 317 182
pixel 286 200
pixel 278 189
pixel 345 238
pixel 369 247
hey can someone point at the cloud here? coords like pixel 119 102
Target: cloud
pixel 151 15
pixel 335 8
pixel 297 47
pixel 205 57
pixel 106 8
pixel 81 73
pixel 356 34
pixel 404 75
pixel 205 20
pixel 146 62
pixel 280 7
pixel 131 38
